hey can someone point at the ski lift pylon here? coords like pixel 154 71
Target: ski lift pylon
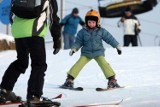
pixel 116 9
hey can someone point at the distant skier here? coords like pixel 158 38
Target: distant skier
pixel 131 27
pixel 89 39
pixel 70 23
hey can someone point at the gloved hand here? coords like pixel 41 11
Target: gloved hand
pixel 56 46
pixel 56 50
pixel 119 50
pixel 122 19
pixel 55 31
pixel 72 52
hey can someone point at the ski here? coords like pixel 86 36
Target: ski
pixel 10 104
pixel 108 104
pixel 40 104
pixel 70 88
pixel 107 89
pixel 46 102
pixel 57 97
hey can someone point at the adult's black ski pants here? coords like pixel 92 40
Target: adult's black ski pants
pixel 33 47
pixel 130 39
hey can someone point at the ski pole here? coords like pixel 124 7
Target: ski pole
pixel 139 40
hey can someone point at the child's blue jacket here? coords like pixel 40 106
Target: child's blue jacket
pixel 91 42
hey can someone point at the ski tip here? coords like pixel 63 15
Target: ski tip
pixel 107 89
pixel 99 89
pixel 80 88
pixel 72 88
pixel 58 97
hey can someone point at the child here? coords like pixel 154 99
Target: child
pixel 89 39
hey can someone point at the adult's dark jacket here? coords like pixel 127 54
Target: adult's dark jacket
pixel 22 28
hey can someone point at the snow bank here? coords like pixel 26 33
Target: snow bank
pixel 6 42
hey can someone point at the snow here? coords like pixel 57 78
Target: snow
pixel 137 69
pixel 8 38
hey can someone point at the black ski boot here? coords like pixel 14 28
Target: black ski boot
pixel 8 96
pixel 112 83
pixel 68 83
pixel 34 101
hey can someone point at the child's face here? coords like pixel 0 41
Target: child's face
pixel 91 23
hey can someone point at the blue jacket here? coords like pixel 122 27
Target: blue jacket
pixel 92 42
pixel 70 24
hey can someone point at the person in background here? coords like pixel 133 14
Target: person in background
pixel 90 40
pixel 70 23
pixel 131 27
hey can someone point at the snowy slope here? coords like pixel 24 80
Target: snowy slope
pixel 137 69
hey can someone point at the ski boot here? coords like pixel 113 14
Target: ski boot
pixel 8 96
pixel 35 101
pixel 112 83
pixel 68 83
pixel 2 100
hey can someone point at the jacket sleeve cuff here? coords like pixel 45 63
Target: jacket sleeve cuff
pixel 118 47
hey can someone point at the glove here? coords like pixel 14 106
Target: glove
pixel 56 50
pixel 137 31
pixel 72 52
pixel 122 19
pixel 119 50
pixel 55 31
pixel 56 46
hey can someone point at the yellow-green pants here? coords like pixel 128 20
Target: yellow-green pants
pixel 83 60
